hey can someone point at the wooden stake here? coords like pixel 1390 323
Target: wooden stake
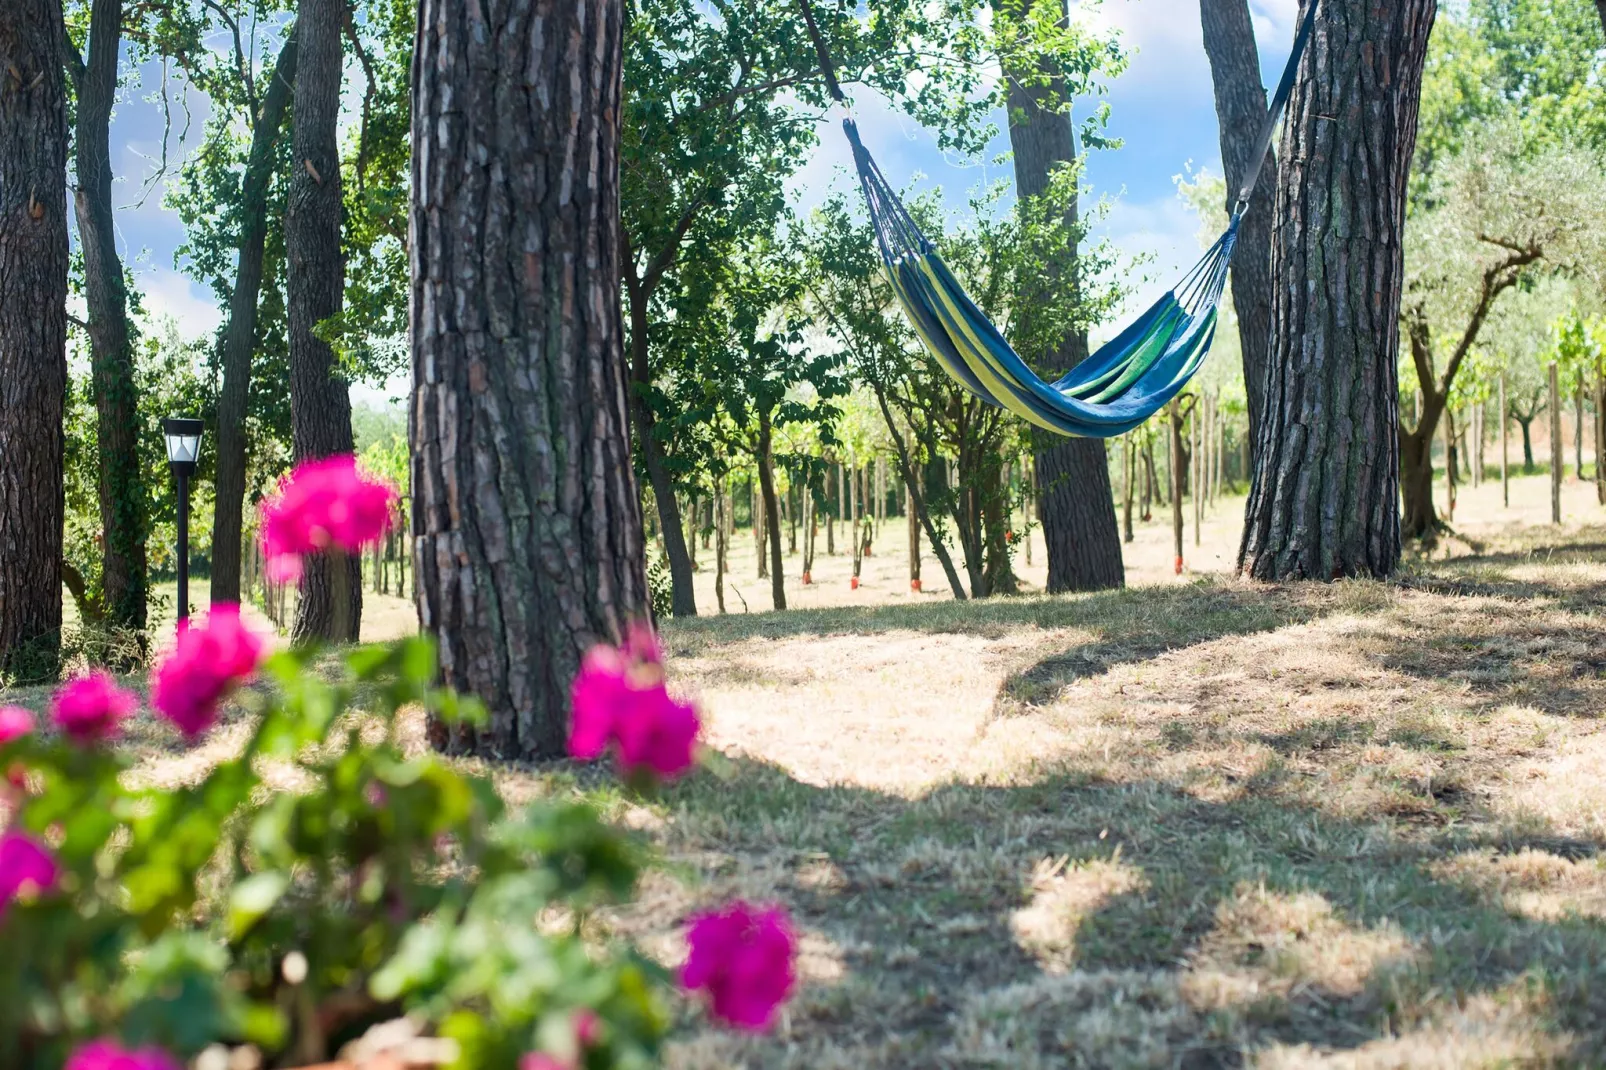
pixel 1556 447
pixel 1505 474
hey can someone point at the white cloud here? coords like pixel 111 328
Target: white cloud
pixel 168 295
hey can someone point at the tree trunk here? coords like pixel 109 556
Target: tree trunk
pixel 33 336
pixel 1175 422
pixel 1578 428
pixel 772 517
pixel 123 498
pixel 1229 40
pixel 1196 459
pixel 760 527
pixel 914 536
pixel 1527 443
pixel 1149 481
pixel 1076 505
pixel 528 519
pixel 1416 485
pixel 239 335
pixel 832 510
pixel 691 533
pixel 330 606
pixel 683 584
pixel 1325 500
pixel 1450 480
pixel 993 494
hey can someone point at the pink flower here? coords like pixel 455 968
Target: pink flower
pixel 15 722
pixel 203 668
pixel 26 868
pixel 91 707
pixel 620 698
pixel 744 959
pixel 109 1055
pixel 323 503
pixel 540 1060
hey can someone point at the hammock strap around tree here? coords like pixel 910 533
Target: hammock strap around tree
pixel 1117 388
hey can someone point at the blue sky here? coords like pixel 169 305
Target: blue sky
pixel 1162 107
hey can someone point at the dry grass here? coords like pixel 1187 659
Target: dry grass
pixel 1192 824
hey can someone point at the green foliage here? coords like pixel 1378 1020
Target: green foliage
pixel 359 884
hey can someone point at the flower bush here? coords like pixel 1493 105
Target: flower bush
pixel 323 880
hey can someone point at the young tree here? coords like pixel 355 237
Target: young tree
pixel 526 517
pixel 33 334
pixel 330 605
pixel 1499 213
pixel 1229 40
pixel 1325 497
pixel 123 496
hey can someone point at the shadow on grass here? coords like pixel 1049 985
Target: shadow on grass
pixel 1076 922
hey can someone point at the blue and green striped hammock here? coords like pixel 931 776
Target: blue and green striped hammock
pixel 1128 380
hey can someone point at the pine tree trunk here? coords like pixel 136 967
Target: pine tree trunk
pixel 330 606
pixel 527 516
pixel 772 518
pixel 239 335
pixel 1229 40
pixel 1076 504
pixel 33 336
pixel 123 498
pixel 1325 500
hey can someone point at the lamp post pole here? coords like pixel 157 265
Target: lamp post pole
pixel 183 451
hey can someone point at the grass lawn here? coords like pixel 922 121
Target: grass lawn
pixel 1196 823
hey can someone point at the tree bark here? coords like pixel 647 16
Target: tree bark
pixel 1229 40
pixel 1600 6
pixel 239 336
pixel 330 605
pixel 1076 505
pixel 1325 499
pixel 527 520
pixel 772 518
pixel 919 501
pixel 33 336
pixel 123 498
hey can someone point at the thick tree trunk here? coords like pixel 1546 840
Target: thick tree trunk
pixel 239 336
pixel 772 518
pixel 33 336
pixel 123 498
pixel 1076 504
pixel 330 605
pixel 527 518
pixel 1325 500
pixel 1229 40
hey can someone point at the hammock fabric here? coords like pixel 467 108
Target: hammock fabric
pixel 1129 379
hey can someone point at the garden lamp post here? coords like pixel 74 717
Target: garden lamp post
pixel 183 450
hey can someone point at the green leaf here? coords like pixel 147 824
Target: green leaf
pixel 254 897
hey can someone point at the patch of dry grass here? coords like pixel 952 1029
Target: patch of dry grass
pixel 1191 824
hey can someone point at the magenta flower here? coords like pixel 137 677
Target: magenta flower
pixel 208 662
pixel 27 868
pixel 323 503
pixel 109 1055
pixel 744 959
pixel 540 1060
pixel 15 722
pixel 90 707
pixel 620 699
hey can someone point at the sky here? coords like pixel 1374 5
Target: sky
pixel 1162 107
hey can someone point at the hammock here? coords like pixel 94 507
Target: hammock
pixel 1129 379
